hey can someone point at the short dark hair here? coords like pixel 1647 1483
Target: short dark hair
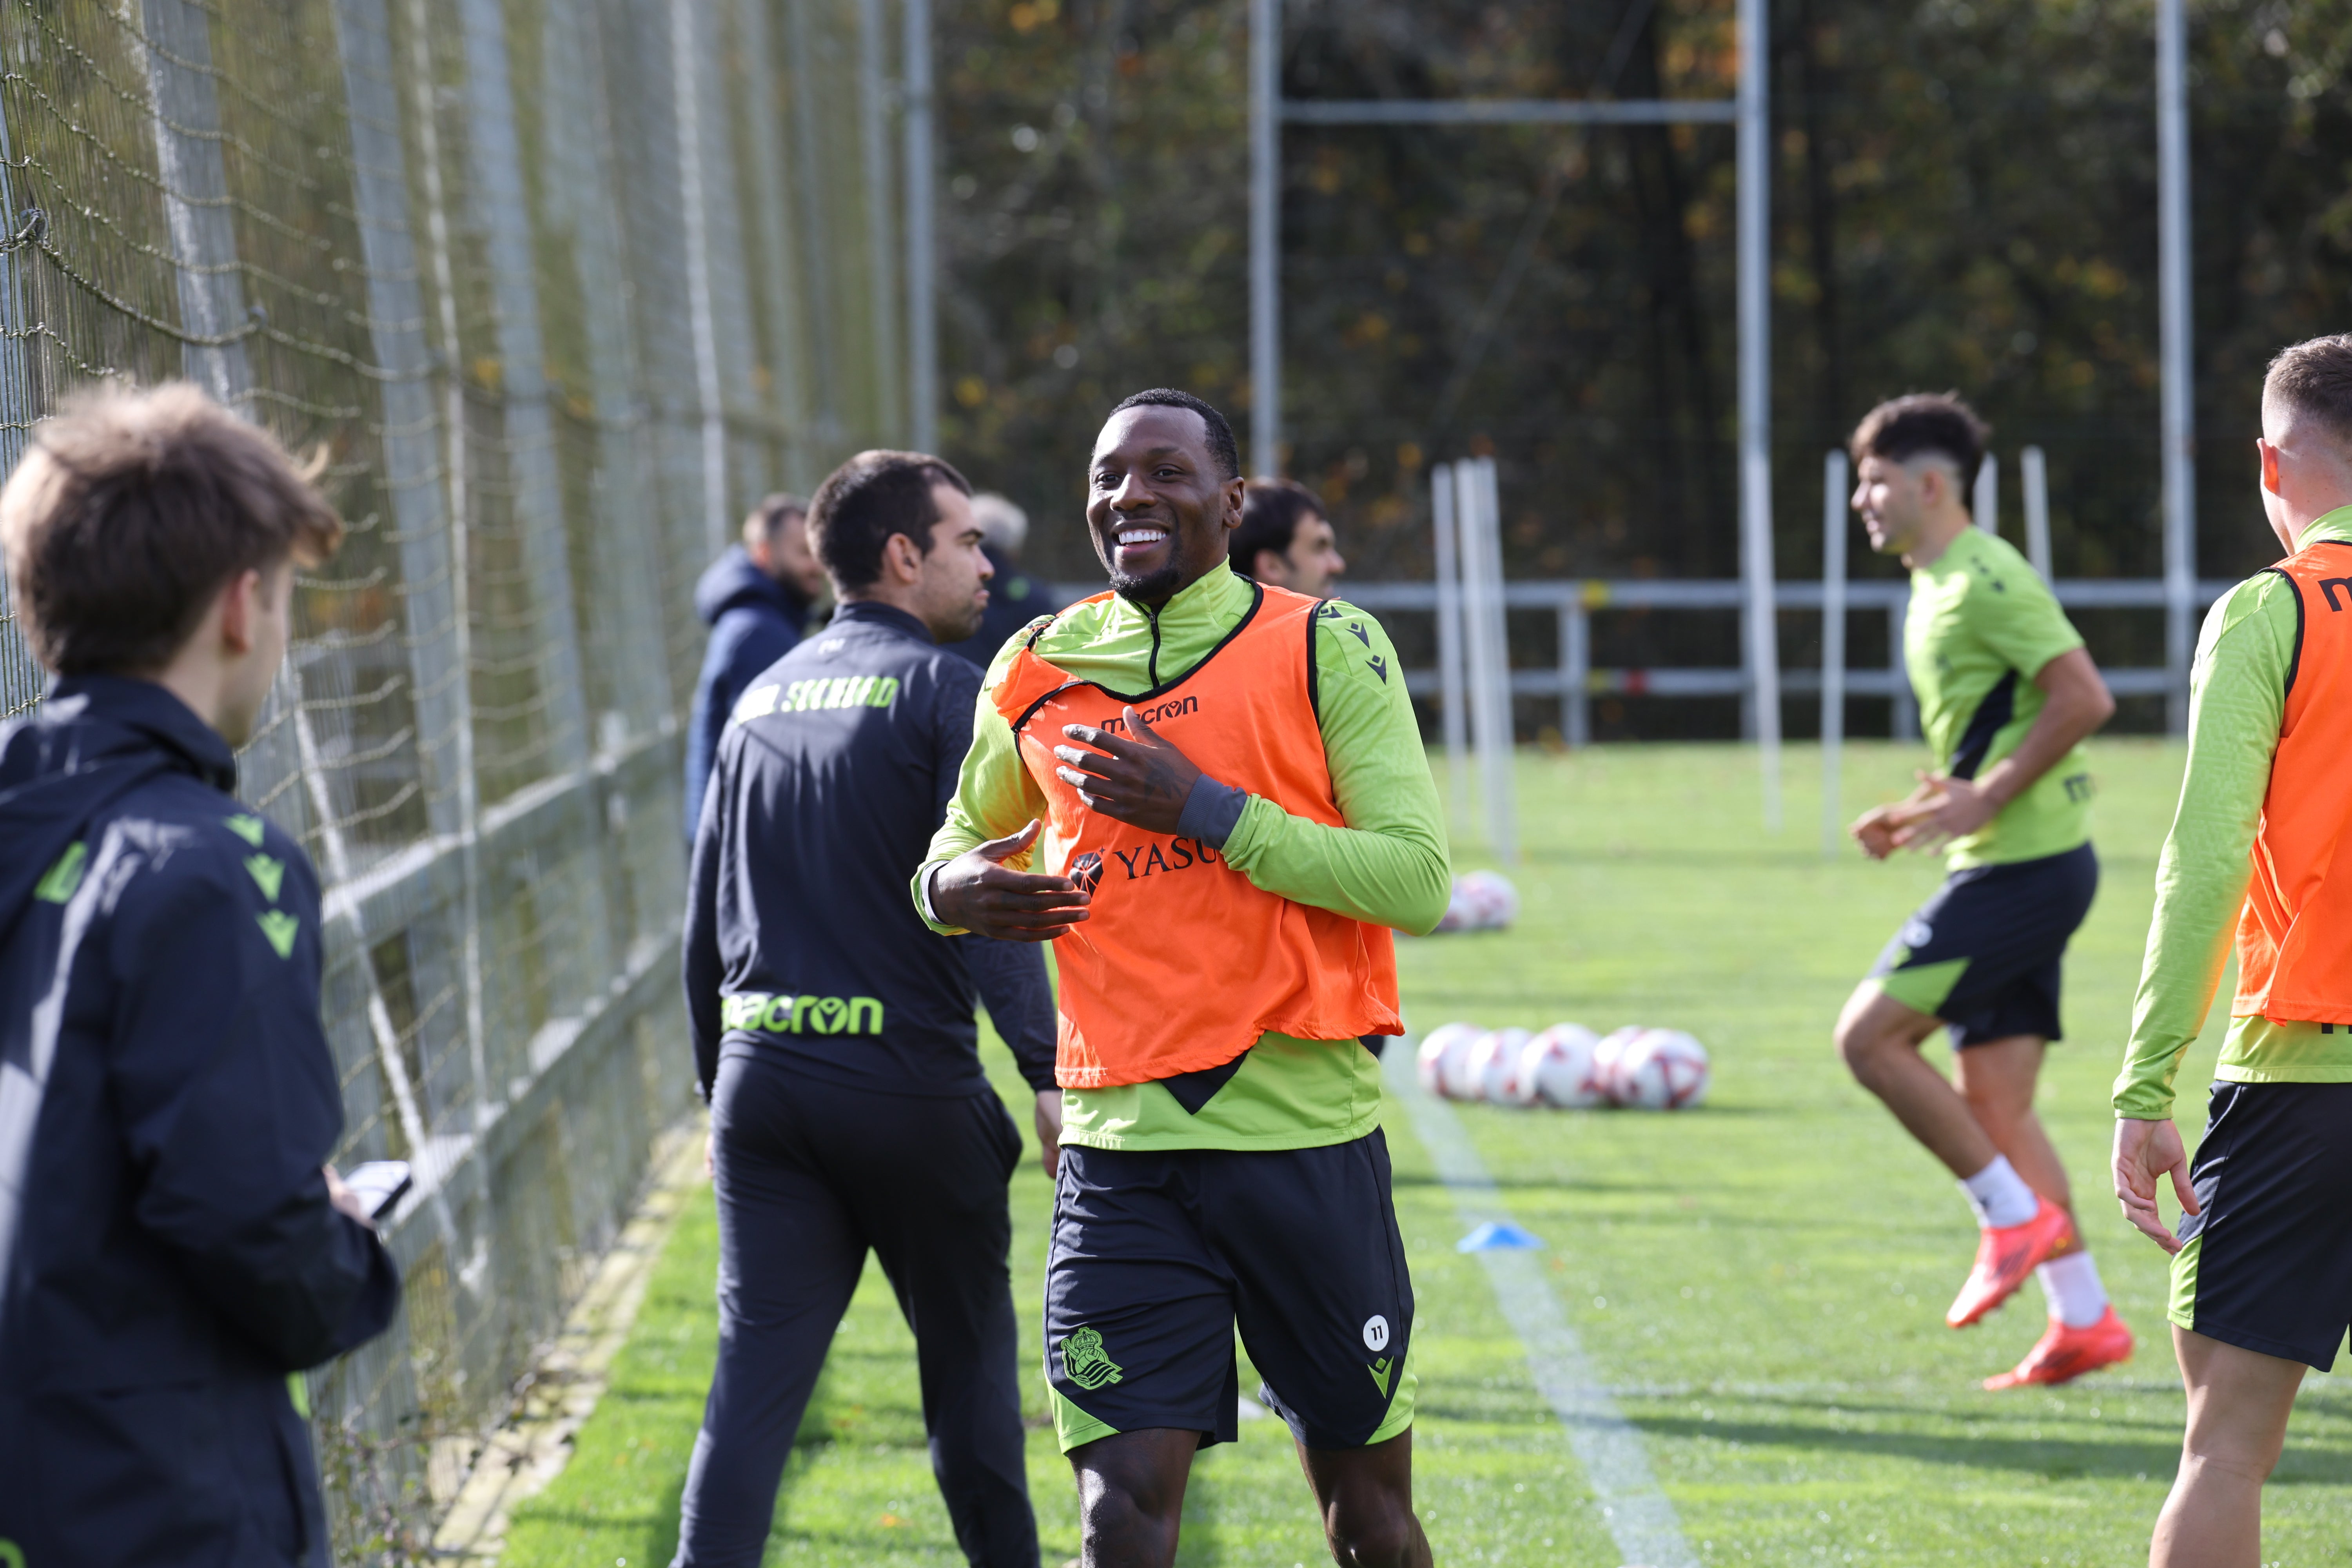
pixel 773 511
pixel 1923 422
pixel 1272 510
pixel 1227 456
pixel 131 511
pixel 866 501
pixel 2314 377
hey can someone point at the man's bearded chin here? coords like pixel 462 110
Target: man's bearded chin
pixel 1151 586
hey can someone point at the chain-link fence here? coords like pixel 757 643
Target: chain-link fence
pixel 562 287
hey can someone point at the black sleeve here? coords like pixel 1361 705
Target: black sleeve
pixel 955 692
pixel 701 968
pixel 230 1103
pixel 1011 979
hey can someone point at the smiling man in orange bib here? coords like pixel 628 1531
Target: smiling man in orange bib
pixel 1226 784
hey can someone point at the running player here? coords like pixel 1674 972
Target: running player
pixel 2007 695
pixel 1235 808
pixel 2262 1271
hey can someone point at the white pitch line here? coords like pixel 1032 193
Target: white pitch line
pixel 1640 1519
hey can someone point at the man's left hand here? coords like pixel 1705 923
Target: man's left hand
pixel 1137 778
pixel 1954 809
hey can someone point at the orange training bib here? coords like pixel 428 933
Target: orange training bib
pixel 1183 962
pixel 2295 936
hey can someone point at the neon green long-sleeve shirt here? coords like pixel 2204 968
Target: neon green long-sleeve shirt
pixel 2238 702
pixel 1387 865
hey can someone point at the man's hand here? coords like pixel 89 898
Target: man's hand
pixel 976 891
pixel 1138 778
pixel 1880 829
pixel 1049 1131
pixel 2144 1150
pixel 1875 831
pixel 345 1200
pixel 1947 808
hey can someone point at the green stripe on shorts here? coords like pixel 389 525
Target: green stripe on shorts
pixel 1401 1402
pixel 1073 1425
pixel 2182 1307
pixel 1924 989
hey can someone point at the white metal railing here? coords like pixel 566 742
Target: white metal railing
pixel 1574 601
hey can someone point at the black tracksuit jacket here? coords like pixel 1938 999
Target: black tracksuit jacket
pixel 800 943
pixel 167 1252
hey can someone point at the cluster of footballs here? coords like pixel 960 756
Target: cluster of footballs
pixel 1567 1066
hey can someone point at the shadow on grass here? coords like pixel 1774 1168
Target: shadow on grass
pixel 2056 1459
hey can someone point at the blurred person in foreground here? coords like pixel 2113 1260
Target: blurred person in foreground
pixel 172 1250
pixel 834 1036
pixel 755 598
pixel 1285 540
pixel 1235 808
pixel 2262 1266
pixel 1014 597
pixel 2007 695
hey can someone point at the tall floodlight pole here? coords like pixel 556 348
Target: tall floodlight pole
pixel 1266 237
pixel 1756 395
pixel 922 260
pixel 2179 392
pixel 873 147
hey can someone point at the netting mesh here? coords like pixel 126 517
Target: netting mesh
pixel 560 288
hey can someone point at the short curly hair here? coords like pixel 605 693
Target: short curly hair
pixel 132 511
pixel 1921 424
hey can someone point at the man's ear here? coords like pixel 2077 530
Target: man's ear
pixel 2270 479
pixel 904 557
pixel 1268 566
pixel 240 605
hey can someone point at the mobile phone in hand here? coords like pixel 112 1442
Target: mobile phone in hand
pixel 379 1185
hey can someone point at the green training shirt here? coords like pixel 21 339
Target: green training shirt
pixel 2237 704
pixel 1982 624
pixel 1387 866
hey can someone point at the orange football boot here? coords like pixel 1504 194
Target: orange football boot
pixel 2065 1355
pixel 2005 1256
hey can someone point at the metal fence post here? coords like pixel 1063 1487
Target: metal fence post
pixel 1833 542
pixel 1453 716
pixel 1905 719
pixel 2034 473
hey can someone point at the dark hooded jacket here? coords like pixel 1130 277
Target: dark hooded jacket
pixel 168 1254
pixel 754 621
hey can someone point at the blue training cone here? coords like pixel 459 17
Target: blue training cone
pixel 1499 1235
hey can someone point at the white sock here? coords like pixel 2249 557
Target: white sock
pixel 2076 1298
pixel 2000 1195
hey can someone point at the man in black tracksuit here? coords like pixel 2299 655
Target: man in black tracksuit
pixel 170 1248
pixel 834 1035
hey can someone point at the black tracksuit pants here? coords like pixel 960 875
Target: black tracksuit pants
pixel 810 1174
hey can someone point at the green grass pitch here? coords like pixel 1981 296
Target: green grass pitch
pixel 1760 1281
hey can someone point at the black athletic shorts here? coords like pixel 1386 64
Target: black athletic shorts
pixel 1983 955
pixel 1157 1256
pixel 2268 1264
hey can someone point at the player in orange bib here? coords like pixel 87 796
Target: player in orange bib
pixel 2262 1263
pixel 1226 786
